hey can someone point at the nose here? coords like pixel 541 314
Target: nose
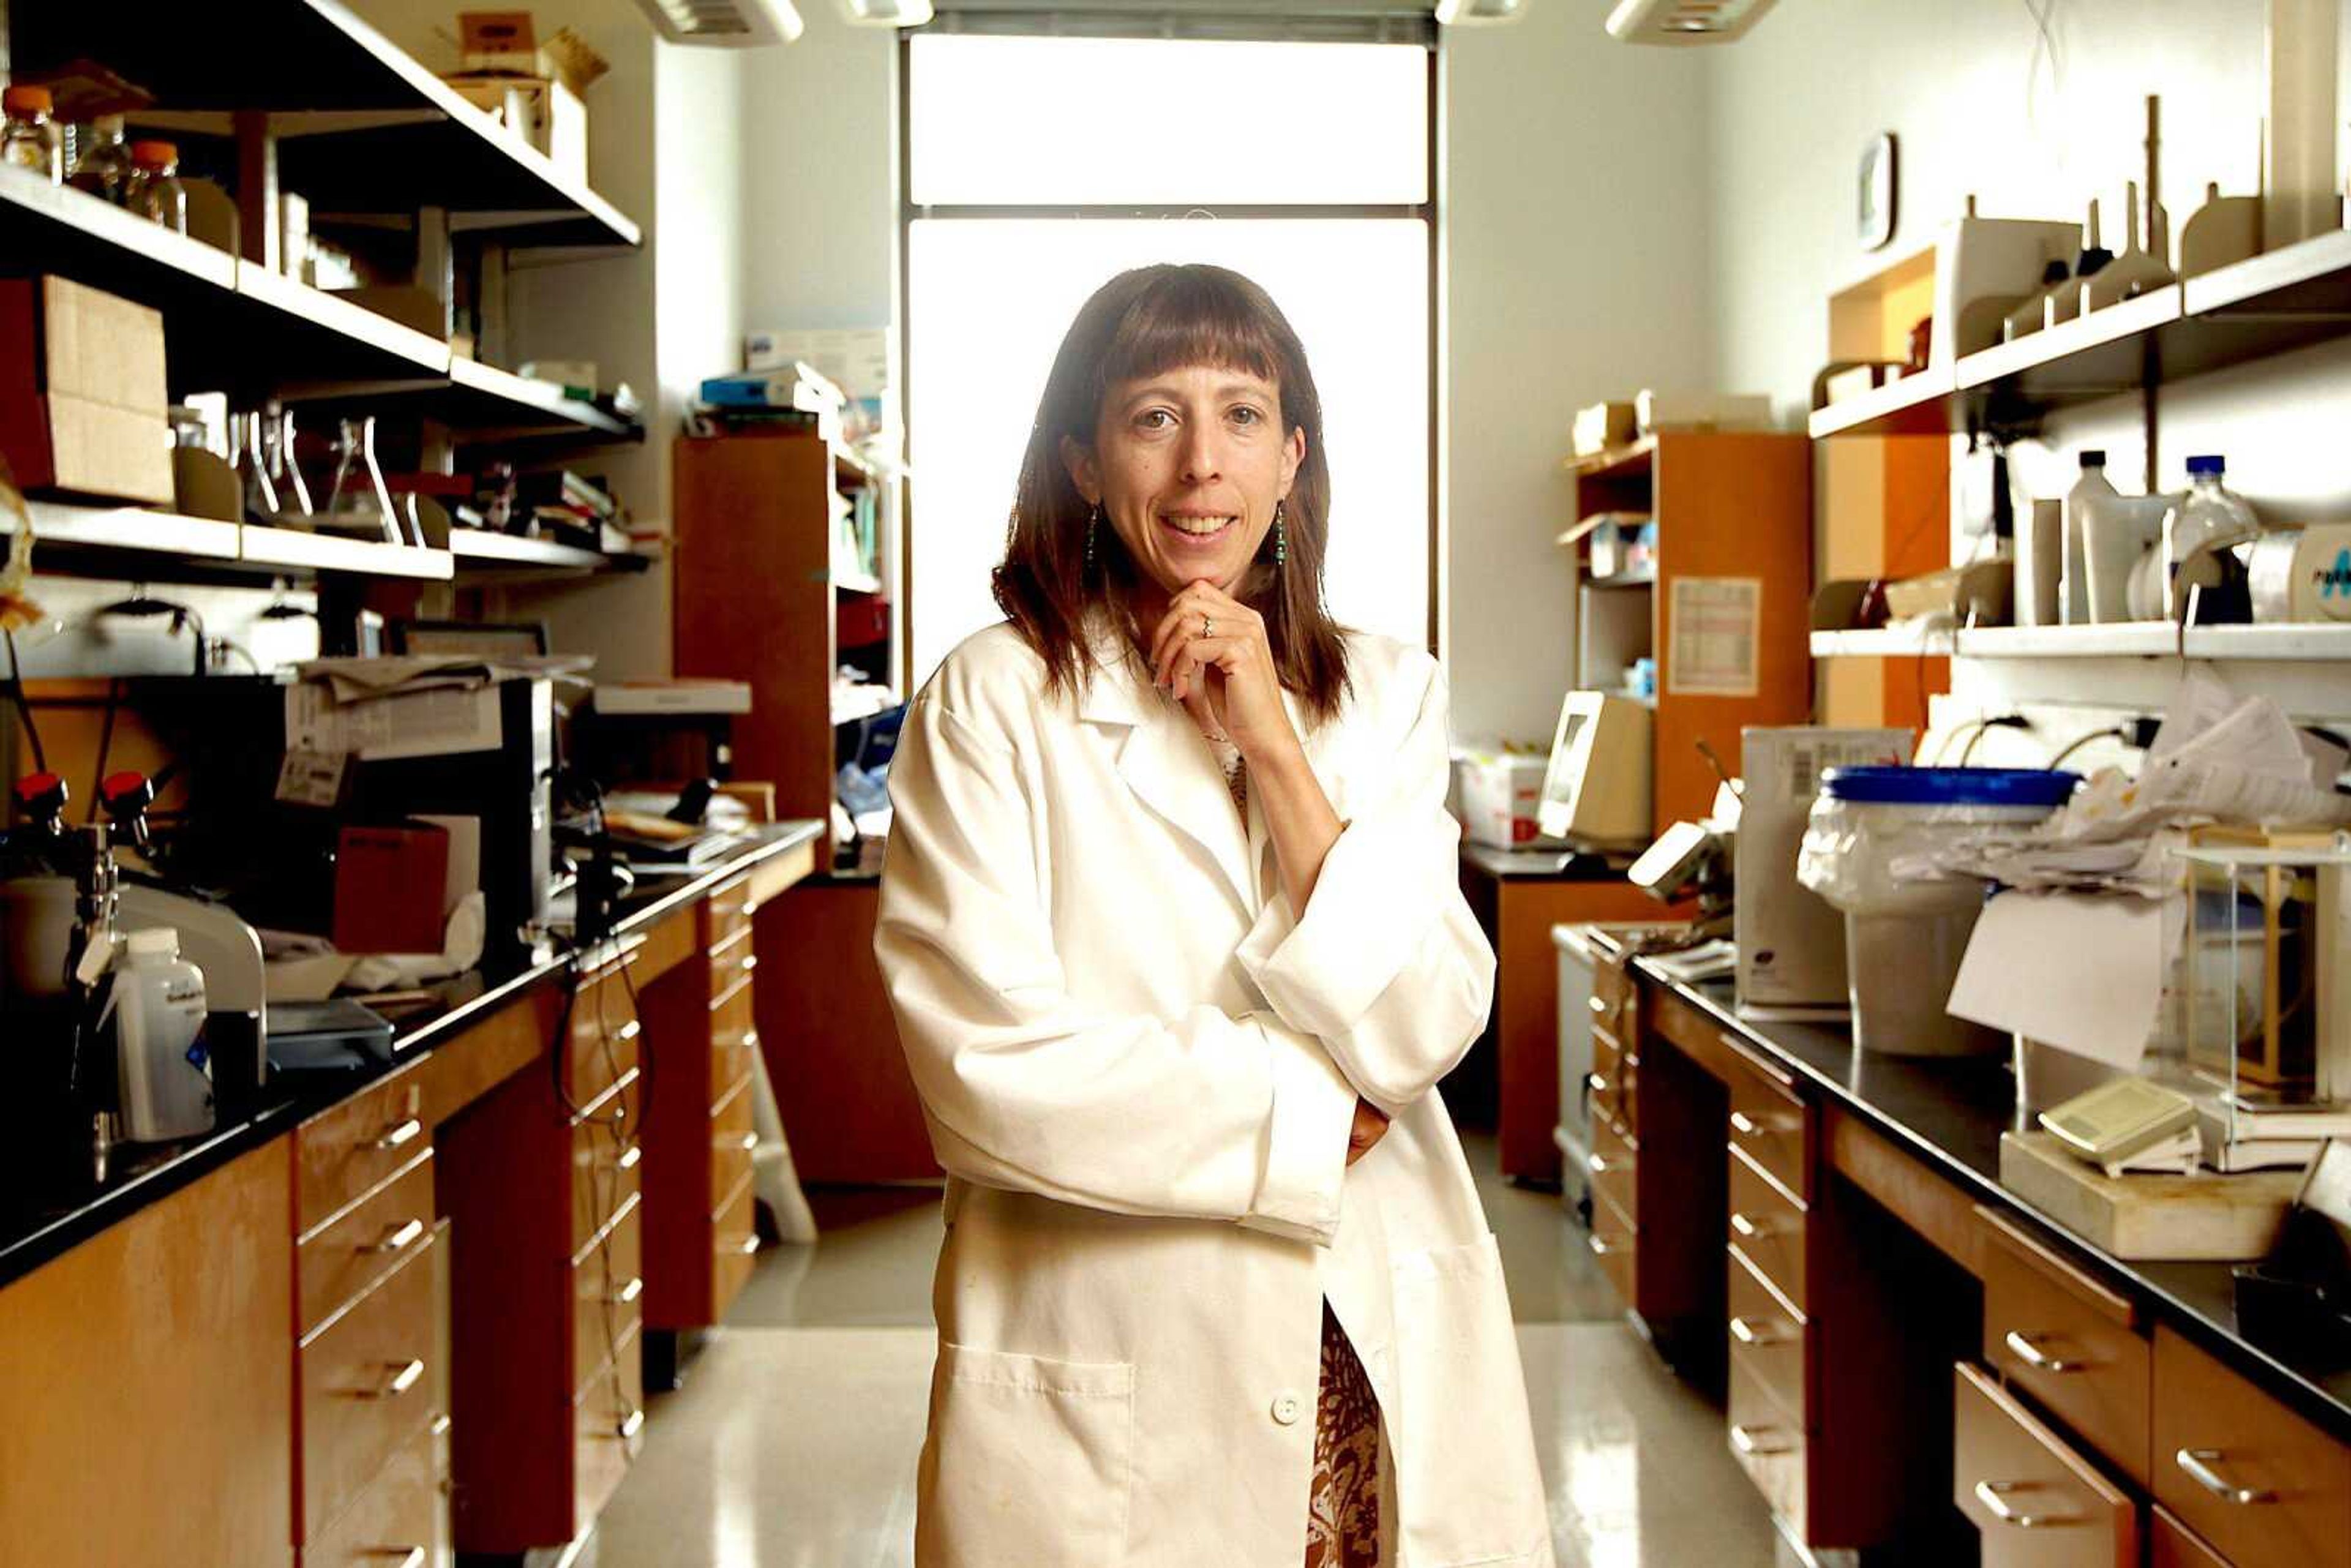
pixel 1200 453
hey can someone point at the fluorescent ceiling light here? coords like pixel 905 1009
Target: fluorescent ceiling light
pixel 1478 13
pixel 1684 21
pixel 725 24
pixel 886 13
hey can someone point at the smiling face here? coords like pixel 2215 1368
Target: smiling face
pixel 1186 466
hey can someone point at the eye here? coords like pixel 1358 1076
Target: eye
pixel 1147 416
pixel 1248 414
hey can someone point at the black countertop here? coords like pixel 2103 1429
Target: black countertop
pixel 46 1211
pixel 1950 1114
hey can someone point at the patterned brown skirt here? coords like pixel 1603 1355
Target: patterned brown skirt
pixel 1343 1516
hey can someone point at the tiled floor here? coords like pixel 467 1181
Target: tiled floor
pixel 793 1444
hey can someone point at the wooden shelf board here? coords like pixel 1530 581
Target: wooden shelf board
pixel 1614 462
pixel 297 550
pixel 1918 405
pixel 129 529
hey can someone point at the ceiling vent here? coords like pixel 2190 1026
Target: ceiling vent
pixel 725 24
pixel 886 13
pixel 1683 22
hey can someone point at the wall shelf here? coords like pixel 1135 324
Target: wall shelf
pixel 117 540
pixel 2289 299
pixel 362 125
pixel 1614 462
pixel 294 549
pixel 2135 639
pixel 479 553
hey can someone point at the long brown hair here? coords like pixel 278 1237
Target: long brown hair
pixel 1141 323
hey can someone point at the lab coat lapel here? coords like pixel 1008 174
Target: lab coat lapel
pixel 1170 767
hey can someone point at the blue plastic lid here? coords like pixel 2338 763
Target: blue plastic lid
pixel 2207 465
pixel 1949 785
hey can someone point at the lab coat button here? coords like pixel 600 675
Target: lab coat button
pixel 1287 1408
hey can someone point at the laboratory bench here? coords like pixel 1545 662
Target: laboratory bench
pixel 1818 1239
pixel 384 1316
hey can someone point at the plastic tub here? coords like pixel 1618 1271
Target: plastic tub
pixel 1904 938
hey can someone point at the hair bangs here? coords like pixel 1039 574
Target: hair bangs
pixel 1191 318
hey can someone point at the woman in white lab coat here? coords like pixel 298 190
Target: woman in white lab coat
pixel 1171 922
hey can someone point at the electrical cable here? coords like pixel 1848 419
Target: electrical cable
pixel 2113 732
pixel 2005 721
pixel 105 744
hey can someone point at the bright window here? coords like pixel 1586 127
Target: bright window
pixel 1336 232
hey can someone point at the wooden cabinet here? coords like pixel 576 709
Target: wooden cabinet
pixel 2035 1502
pixel 147 1386
pixel 2263 1486
pixel 2171 1544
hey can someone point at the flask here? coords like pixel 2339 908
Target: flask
pixel 2201 540
pixel 29 139
pixel 159 1009
pixel 105 167
pixel 155 190
pixel 2073 576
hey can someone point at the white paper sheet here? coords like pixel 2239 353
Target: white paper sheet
pixel 2079 972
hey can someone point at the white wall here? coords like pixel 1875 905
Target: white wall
pixel 1578 223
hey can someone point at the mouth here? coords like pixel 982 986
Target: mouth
pixel 1194 530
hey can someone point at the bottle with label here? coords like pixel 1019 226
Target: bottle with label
pixel 2205 536
pixel 164 1070
pixel 155 190
pixel 2073 576
pixel 105 168
pixel 29 139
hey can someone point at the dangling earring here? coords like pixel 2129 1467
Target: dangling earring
pixel 1092 518
pixel 1281 537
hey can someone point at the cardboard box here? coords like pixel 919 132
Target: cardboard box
pixel 1602 426
pixel 83 404
pixel 1499 795
pixel 539 111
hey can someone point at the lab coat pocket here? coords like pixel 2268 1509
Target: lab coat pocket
pixel 1468 1489
pixel 1028 1460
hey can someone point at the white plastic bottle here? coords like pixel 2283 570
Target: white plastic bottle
pixel 2074 584
pixel 165 1075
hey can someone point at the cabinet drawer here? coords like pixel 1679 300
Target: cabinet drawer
pixel 1769 1447
pixel 731 963
pixel 393 1522
pixel 1607 1054
pixel 608 1290
pixel 2072 1343
pixel 345 1153
pixel 2263 1486
pixel 1613 1239
pixel 1767 1228
pixel 732 1145
pixel 607 1430
pixel 2171 1544
pixel 732 1061
pixel 607 1161
pixel 1769 1124
pixel 336 1264
pixel 600 1045
pixel 2035 1502
pixel 1767 1335
pixel 1612 1167
pixel 727 911
pixel 1608 1102
pixel 365 1388
pixel 730 1013
pixel 733 1241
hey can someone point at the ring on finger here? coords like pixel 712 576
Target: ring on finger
pixel 1208 626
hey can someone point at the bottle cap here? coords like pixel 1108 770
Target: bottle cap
pixel 2095 457
pixel 155 942
pixel 26 100
pixel 2207 464
pixel 154 154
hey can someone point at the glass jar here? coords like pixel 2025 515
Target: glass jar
pixel 29 139
pixel 155 189
pixel 105 168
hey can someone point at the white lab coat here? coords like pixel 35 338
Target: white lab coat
pixel 1139 1072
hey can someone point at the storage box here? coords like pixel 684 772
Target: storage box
pixel 1701 410
pixel 1602 426
pixel 83 404
pixel 539 111
pixel 856 359
pixel 1500 794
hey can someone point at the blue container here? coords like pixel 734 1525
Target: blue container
pixel 1951 786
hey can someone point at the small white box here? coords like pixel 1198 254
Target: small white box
pixel 1498 796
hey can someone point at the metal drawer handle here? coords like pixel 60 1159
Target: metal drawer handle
pixel 2040 1359
pixel 751 963
pixel 745 1142
pixel 2198 1463
pixel 744 1248
pixel 402 1380
pixel 440 1427
pixel 1748 1229
pixel 1993 1495
pixel 1748 1440
pixel 1598 1006
pixel 407 1132
pixel 629 1158
pixel 1600 1246
pixel 629 1426
pixel 1598 1164
pixel 629 1292
pixel 750 1037
pixel 1746 1332
pixel 1595 1083
pixel 397 1238
pixel 409 1556
pixel 628 1031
